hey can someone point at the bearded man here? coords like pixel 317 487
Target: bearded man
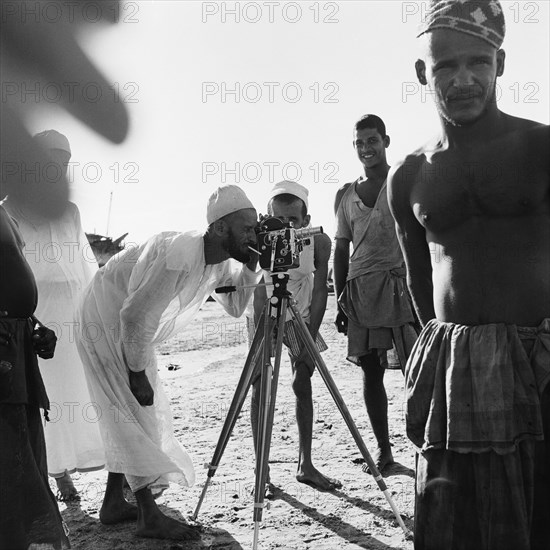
pixel 141 297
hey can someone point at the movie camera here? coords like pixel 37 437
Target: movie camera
pixel 280 244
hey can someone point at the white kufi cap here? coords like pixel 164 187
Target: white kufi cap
pixel 290 188
pixel 226 200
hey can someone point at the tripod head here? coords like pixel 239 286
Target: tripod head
pixel 280 291
pixel 280 282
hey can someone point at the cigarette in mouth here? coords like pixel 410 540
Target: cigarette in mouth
pixel 254 250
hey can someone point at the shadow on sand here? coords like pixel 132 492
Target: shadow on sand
pixel 398 469
pixel 87 532
pixel 339 527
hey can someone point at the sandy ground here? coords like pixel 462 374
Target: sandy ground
pixel 201 368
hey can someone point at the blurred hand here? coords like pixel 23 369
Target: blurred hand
pixel 141 388
pixel 44 341
pixel 39 51
pixel 341 322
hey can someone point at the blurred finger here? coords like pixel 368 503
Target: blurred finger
pixel 45 50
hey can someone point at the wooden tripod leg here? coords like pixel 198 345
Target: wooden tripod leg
pixel 268 395
pixel 314 353
pixel 235 408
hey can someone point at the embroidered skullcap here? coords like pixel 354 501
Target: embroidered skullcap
pixel 226 200
pixel 481 18
pixel 290 188
pixel 52 139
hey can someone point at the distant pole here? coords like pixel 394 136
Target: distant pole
pixel 109 214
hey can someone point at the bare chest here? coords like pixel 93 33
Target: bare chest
pixel 368 192
pixel 451 189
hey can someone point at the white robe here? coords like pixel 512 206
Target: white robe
pixel 63 265
pixel 141 297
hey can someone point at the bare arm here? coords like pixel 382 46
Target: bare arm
pixel 342 239
pixel 319 295
pixel 244 278
pixel 341 265
pixel 412 238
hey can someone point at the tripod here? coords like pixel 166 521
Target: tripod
pixel 273 317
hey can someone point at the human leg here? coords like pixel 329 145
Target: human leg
pixel 66 491
pixel 376 402
pixel 307 473
pixel 115 508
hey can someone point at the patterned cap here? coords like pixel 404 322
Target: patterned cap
pixel 481 18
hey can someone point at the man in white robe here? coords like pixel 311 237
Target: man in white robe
pixel 63 265
pixel 141 297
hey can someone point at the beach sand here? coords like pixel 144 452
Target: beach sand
pixel 201 368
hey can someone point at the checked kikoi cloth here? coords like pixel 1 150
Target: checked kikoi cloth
pixel 478 411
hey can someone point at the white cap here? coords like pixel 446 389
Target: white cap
pixel 52 139
pixel 290 188
pixel 226 200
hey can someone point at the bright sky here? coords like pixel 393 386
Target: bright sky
pixel 271 96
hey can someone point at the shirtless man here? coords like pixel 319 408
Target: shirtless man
pixel 473 215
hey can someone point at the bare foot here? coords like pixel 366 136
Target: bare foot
pixel 117 513
pixel 382 458
pixel 269 491
pixel 314 478
pixel 66 491
pixel 269 487
pixel 160 526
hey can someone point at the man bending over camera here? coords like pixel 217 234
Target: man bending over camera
pixel 140 298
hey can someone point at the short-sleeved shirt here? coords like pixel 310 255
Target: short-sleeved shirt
pixel 370 230
pixel 375 295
